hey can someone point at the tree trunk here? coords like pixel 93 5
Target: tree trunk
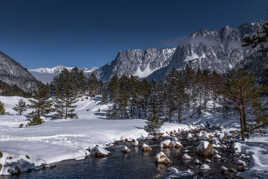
pixel 244 116
pixel 242 127
pixel 179 115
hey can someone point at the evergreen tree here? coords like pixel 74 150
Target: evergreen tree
pixel 155 101
pixel 241 89
pixel 41 104
pixel 259 42
pixel 176 95
pixel 113 88
pixel 20 107
pixel 94 86
pixel 65 104
pixel 66 95
pixel 153 124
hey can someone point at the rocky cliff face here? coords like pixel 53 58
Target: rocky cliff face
pixel 136 62
pixel 214 50
pixel 12 73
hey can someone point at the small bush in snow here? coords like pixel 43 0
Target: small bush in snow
pixel 20 107
pixel 2 108
pixel 35 121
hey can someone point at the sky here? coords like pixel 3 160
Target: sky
pixel 46 33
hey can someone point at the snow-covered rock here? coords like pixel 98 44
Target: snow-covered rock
pixel 186 157
pixel 205 167
pixel 99 152
pixel 135 142
pixel 205 149
pixel 125 149
pixel 146 148
pixel 15 163
pixel 189 136
pixel 223 168
pixel 166 144
pixel 196 161
pixel 177 145
pixel 161 158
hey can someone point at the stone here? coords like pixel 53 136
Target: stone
pixel 166 144
pixel 178 145
pixel 126 149
pixel 161 158
pixel 135 142
pixel 146 148
pixel 99 152
pixel 197 162
pixel 205 149
pixel 223 168
pixel 205 167
pixel 187 157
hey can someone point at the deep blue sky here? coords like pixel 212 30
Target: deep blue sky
pixel 45 33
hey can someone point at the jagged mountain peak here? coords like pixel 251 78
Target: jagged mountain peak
pixel 215 50
pixel 136 62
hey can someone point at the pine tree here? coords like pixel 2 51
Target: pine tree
pixel 241 89
pixel 66 95
pixel 94 86
pixel 153 124
pixel 176 95
pixel 41 104
pixel 20 107
pixel 259 41
pixel 65 103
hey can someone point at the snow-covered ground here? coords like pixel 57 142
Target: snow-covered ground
pixel 58 140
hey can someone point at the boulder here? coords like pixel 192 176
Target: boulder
pixel 205 149
pixel 178 145
pixel 166 144
pixel 172 170
pixel 99 152
pixel 161 158
pixel 241 162
pixel 223 168
pixel 146 148
pixel 189 136
pixel 125 149
pixel 217 156
pixel 186 157
pixel 205 167
pixel 135 142
pixel 197 162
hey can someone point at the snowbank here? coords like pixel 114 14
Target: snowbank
pixel 58 140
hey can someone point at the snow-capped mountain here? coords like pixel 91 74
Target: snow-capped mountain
pixel 215 50
pixel 12 73
pixel 136 62
pixel 46 75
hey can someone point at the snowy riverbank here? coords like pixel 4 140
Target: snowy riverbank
pixel 58 140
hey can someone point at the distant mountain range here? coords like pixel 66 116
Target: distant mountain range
pixel 46 75
pixel 216 50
